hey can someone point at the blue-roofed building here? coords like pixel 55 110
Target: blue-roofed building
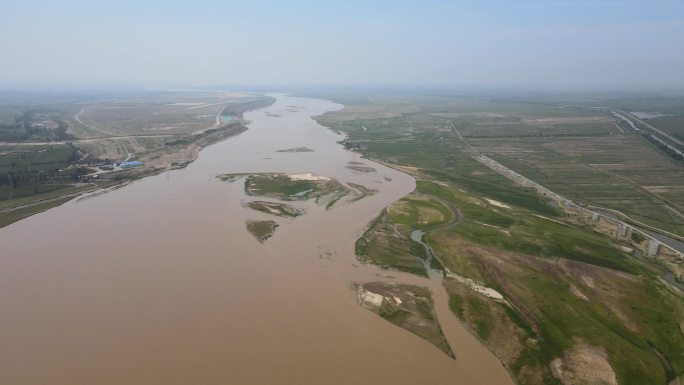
pixel 130 164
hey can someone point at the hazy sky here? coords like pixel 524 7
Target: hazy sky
pixel 632 44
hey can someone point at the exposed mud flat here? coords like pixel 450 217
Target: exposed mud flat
pixel 275 208
pixel 356 166
pixel 297 149
pixel 159 282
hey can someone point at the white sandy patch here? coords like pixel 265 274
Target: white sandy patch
pixel 368 298
pixel 548 219
pixel 476 286
pixel 307 176
pixel 495 227
pixel 475 201
pixel 577 293
pixel 584 364
pixel 395 211
pixel 626 249
pixel 588 281
pixel 497 203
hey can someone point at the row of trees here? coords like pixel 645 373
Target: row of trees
pixel 671 151
pixel 28 177
pixel 25 129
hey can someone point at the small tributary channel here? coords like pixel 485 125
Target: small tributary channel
pixel 429 261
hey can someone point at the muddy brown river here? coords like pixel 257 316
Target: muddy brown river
pixel 159 282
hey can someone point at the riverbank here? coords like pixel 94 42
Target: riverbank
pixel 519 271
pixel 193 282
pixel 155 161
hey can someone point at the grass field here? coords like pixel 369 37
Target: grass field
pixel 576 151
pixel 673 125
pixel 382 244
pixel 570 292
pixel 578 307
pixel 34 178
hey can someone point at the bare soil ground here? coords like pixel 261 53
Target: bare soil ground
pixel 584 365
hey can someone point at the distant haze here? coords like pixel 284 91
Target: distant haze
pixel 558 44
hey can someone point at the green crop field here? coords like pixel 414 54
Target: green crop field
pixel 571 295
pixel 576 151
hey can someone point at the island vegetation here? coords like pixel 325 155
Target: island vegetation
pixel 407 306
pixel 297 149
pixel 261 230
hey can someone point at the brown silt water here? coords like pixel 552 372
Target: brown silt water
pixel 159 282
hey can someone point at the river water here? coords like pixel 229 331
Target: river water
pixel 160 283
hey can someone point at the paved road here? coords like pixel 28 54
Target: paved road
pixel 666 135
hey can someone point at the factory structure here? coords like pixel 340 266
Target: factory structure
pixel 129 164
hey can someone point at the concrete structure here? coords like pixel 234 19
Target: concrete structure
pixel 653 247
pixel 622 230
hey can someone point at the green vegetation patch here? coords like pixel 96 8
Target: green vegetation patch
pixel 304 186
pixel 417 211
pixel 567 289
pixel 567 146
pixel 407 306
pixel 261 230
pixel 382 244
pixel 8 217
pixel 569 286
pixel 560 304
pixel 33 176
pixel 289 187
pixel 522 231
pixel 27 170
pixel 388 240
